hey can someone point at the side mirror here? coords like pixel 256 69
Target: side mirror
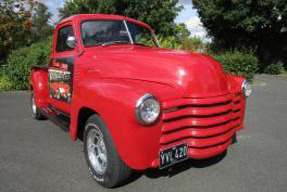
pixel 71 42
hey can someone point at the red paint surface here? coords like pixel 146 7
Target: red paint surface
pixel 201 105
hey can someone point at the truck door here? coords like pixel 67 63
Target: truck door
pixel 61 70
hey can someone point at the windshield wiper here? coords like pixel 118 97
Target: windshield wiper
pixel 115 42
pixel 121 42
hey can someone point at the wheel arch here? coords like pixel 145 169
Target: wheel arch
pixel 83 115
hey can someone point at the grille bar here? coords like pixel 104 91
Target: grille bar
pixel 198 101
pixel 198 111
pixel 197 122
pixel 196 153
pixel 198 142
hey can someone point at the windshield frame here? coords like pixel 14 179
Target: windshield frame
pixel 155 41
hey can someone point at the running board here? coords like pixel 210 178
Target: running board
pixel 59 119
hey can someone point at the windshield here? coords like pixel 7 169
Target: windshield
pixel 101 33
pixel 141 35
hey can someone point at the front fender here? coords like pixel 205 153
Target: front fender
pixel 115 101
pixel 39 84
pixel 235 83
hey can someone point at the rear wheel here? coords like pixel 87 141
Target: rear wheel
pixel 36 114
pixel 104 163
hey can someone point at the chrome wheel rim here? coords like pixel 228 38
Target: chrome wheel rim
pixel 34 108
pixel 96 149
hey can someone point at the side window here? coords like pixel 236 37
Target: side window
pixel 63 35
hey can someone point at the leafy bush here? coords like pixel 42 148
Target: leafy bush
pixel 274 68
pixel 168 42
pixel 5 83
pixel 194 44
pixel 238 63
pixel 20 61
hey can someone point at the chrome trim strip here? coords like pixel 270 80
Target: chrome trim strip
pixel 129 34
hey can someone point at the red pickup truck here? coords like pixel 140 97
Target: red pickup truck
pixel 134 105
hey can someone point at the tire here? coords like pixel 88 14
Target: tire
pixel 234 138
pixel 104 162
pixel 36 114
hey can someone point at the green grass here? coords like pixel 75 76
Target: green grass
pixel 254 82
pixel 284 74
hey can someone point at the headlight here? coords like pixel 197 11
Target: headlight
pixel 147 109
pixel 246 89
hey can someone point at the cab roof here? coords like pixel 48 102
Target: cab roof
pixel 83 17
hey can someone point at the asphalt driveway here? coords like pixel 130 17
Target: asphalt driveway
pixel 38 156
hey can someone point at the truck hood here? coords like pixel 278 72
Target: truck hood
pixel 194 75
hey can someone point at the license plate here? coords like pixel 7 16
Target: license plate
pixel 173 155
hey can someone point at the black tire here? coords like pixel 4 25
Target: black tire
pixel 116 172
pixel 234 138
pixel 36 114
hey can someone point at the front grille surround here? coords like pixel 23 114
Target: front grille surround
pixel 203 123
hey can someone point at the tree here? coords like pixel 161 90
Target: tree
pixel 15 25
pixel 239 24
pixel 181 32
pixel 159 14
pixel 22 22
pixel 41 29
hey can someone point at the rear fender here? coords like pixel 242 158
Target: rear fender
pixel 39 85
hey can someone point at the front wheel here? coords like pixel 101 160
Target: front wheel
pixel 104 163
pixel 234 138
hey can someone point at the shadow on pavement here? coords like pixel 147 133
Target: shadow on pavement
pixel 184 166
pixel 176 169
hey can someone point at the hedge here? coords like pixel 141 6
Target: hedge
pixel 5 83
pixel 16 73
pixel 274 69
pixel 238 63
